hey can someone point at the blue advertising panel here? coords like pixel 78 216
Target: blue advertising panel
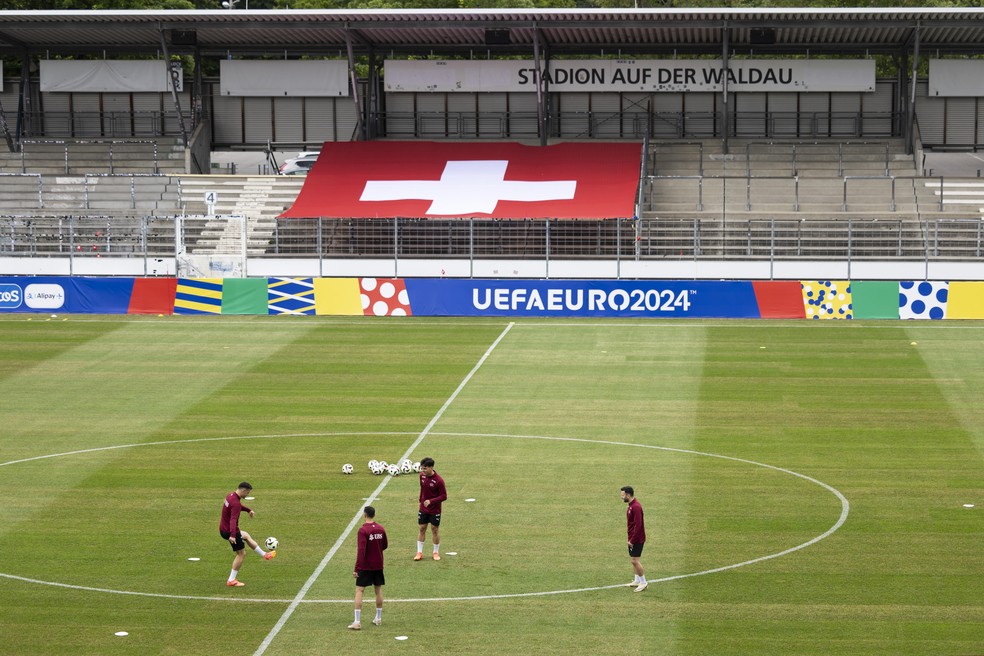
pixel 66 294
pixel 583 298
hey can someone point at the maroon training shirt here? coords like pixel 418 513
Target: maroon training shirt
pixel 636 525
pixel 432 489
pixel 372 542
pixel 231 508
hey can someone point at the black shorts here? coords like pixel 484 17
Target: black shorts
pixel 239 546
pixel 370 577
pixel 635 550
pixel 428 518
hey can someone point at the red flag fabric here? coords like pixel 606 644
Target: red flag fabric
pixel 425 179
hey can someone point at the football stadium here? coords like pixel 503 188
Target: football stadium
pixel 685 306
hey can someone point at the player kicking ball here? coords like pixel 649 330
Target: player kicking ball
pixel 229 530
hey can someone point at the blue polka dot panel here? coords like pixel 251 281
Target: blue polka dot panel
pixel 923 299
pixel 827 299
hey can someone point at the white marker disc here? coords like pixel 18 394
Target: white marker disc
pixel 469 500
pixel 121 633
pixel 968 505
pixel 402 637
pixel 450 553
pixel 194 559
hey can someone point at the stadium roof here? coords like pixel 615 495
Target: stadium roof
pixel 469 32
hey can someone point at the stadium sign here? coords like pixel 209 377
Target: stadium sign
pixel 10 296
pixel 633 75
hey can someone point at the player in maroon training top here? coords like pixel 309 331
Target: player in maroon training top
pixel 369 565
pixel 432 493
pixel 637 536
pixel 229 530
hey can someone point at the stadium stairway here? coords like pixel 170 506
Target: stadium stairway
pixel 260 199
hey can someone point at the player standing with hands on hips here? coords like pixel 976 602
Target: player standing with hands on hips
pixel 637 536
pixel 369 565
pixel 432 493
pixel 229 530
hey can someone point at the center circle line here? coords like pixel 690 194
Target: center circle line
pixel 845 511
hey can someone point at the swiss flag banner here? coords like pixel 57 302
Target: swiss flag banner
pixel 424 179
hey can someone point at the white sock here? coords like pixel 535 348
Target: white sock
pixel 420 546
pixel 259 550
pixel 235 573
pixel 437 548
pixel 379 613
pixel 358 616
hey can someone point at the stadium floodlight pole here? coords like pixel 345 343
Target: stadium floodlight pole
pixel 173 74
pixel 725 46
pixel 911 109
pixel 541 127
pixel 360 126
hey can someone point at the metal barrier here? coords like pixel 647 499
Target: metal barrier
pixel 639 124
pixel 87 142
pixel 795 149
pixel 868 177
pixel 485 239
pixel 114 124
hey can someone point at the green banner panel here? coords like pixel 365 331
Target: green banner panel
pixel 244 296
pixel 876 299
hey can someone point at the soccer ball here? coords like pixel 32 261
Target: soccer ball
pixel 406 467
pixel 272 543
pixel 377 470
pixel 416 467
pixel 347 468
pixel 393 470
pixel 373 464
pixel 383 464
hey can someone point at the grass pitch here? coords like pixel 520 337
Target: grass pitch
pixel 745 441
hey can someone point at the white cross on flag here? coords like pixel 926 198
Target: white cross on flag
pixel 420 179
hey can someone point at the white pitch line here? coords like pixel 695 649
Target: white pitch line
pixel 299 597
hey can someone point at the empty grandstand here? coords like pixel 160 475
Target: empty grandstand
pixel 825 166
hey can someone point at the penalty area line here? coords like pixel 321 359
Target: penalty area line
pixel 299 597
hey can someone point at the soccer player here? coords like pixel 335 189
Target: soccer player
pixel 369 565
pixel 229 530
pixel 432 493
pixel 637 536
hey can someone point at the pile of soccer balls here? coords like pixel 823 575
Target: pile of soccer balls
pixel 380 467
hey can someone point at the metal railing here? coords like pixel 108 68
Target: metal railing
pixel 848 178
pixel 53 191
pixel 638 124
pixel 863 147
pixel 624 239
pixel 634 122
pixel 765 187
pixel 114 124
pixel 35 147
